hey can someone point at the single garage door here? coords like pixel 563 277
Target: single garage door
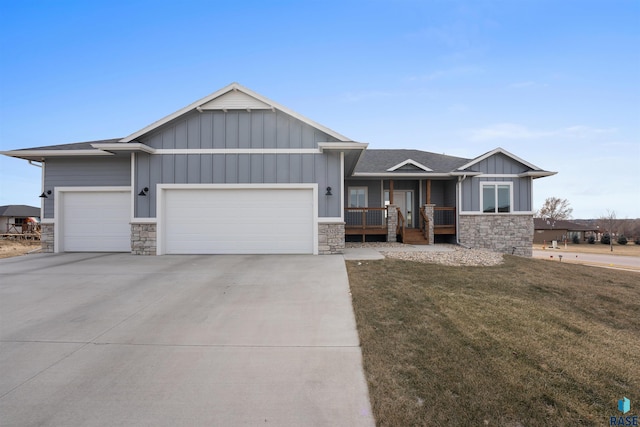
pixel 238 221
pixel 96 221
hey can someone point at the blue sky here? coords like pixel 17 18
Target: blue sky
pixel 554 82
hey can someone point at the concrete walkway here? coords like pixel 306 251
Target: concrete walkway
pixel 115 339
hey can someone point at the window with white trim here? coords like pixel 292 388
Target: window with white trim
pixel 358 197
pixel 496 197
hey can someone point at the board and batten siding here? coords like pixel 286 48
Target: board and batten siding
pixel 323 169
pixel 238 129
pixel 84 172
pixel 235 129
pixel 521 193
pixel 498 164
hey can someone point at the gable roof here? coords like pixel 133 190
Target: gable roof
pixel 19 211
pixel 233 97
pixel 389 162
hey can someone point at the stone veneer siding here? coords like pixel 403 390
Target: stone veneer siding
pixel 143 239
pixel 46 238
pixel 330 238
pixel 500 233
pixel 392 223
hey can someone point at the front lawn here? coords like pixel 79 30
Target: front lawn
pixel 526 343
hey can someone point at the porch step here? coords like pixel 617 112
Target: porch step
pixel 413 236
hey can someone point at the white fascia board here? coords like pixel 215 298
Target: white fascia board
pixel 42 154
pixel 425 175
pixel 119 146
pixel 465 173
pixel 497 151
pixel 236 186
pixel 236 151
pixel 218 93
pixel 536 174
pixel 410 162
pixel 347 145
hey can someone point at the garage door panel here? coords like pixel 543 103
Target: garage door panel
pixel 96 222
pixel 221 221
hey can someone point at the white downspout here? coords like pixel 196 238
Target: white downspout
pixel 459 197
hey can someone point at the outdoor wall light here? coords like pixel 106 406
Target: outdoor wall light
pixel 45 193
pixel 328 193
pixel 144 191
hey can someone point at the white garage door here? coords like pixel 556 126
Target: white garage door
pixel 238 221
pixel 96 221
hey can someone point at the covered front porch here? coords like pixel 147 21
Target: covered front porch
pixel 413 211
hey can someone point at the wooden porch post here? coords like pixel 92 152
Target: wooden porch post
pixel 428 192
pixel 390 191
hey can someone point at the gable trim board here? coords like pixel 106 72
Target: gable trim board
pixel 92 219
pixel 410 162
pixel 198 106
pixel 237 218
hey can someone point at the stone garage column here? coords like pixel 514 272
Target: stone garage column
pixel 143 238
pixel 392 223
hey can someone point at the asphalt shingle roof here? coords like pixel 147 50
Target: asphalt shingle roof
pixel 19 211
pixel 378 161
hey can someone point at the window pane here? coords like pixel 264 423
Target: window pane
pixel 361 198
pixel 504 198
pixel 488 198
pixel 353 197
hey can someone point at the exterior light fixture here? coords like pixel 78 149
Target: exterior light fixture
pixel 144 191
pixel 328 193
pixel 45 194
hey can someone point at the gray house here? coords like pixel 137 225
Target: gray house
pixel 235 172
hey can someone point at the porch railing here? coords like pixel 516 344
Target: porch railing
pixel 365 218
pixel 444 216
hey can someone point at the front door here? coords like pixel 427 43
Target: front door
pixel 404 200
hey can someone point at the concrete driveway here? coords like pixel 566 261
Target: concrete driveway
pixel 115 339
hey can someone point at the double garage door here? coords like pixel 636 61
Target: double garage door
pixel 195 221
pixel 237 221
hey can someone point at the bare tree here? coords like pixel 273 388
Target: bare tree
pixel 608 222
pixel 555 208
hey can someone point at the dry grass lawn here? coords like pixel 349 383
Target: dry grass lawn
pixel 11 248
pixel 526 343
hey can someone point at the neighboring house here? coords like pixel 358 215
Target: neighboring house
pixel 235 172
pixel 548 230
pixel 12 217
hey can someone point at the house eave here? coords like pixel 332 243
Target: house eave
pixel 130 147
pixel 536 174
pixel 41 155
pixel 387 175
